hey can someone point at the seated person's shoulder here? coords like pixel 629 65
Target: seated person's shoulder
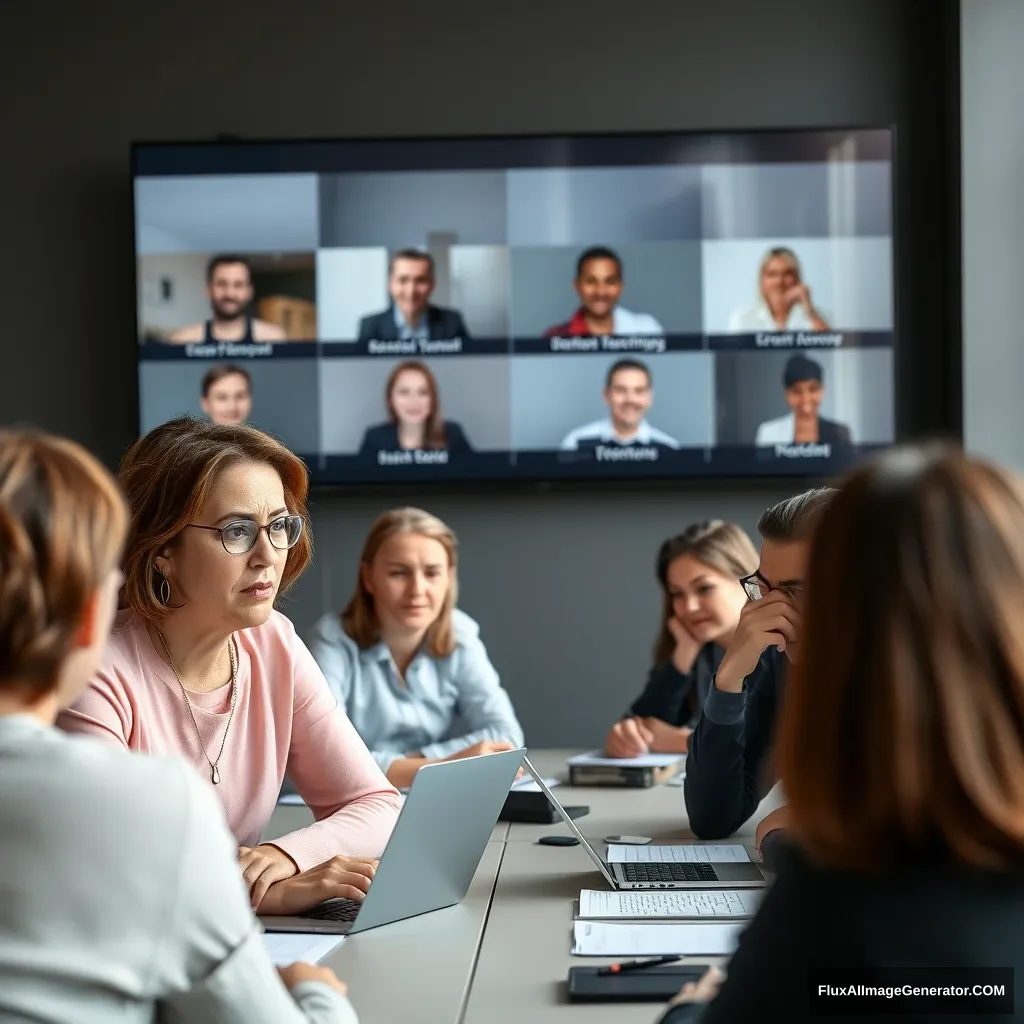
pixel 464 626
pixel 262 330
pixel 329 631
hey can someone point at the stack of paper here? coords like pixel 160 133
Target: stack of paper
pixel 288 947
pixel 714 853
pixel 670 904
pixel 526 784
pixel 598 757
pixel 599 938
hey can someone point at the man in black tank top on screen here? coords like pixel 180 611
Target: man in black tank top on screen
pixel 229 287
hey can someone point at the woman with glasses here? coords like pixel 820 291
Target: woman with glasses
pixel 698 572
pixel 200 664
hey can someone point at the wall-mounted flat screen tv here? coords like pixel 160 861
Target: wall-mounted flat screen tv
pixel 527 308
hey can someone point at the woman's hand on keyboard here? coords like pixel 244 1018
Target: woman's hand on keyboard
pixel 262 866
pixel 338 878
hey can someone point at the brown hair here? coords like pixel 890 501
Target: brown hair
pixel 433 429
pixel 62 528
pixel 902 731
pixel 359 619
pixel 219 372
pixel 795 518
pixel 167 476
pixel 722 546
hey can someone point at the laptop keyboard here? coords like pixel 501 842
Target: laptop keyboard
pixel 695 871
pixel 334 910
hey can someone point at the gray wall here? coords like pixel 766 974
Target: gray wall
pixel 993 228
pixel 560 579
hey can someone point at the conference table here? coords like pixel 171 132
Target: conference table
pixel 503 953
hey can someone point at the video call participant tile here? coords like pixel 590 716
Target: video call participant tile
pixel 226 298
pixel 800 407
pixel 439 293
pixel 280 396
pixel 798 292
pixel 650 289
pixel 591 414
pixel 402 416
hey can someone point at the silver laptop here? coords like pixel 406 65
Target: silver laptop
pixel 434 850
pixel 653 875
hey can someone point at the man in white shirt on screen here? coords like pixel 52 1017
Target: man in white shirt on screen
pixel 629 395
pixel 599 285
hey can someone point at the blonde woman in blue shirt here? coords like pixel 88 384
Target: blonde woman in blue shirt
pixel 404 662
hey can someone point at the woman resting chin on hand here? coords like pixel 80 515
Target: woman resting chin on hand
pixel 698 573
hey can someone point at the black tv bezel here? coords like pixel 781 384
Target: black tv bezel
pixel 596 481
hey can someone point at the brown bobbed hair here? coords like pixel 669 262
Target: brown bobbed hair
pixel 433 429
pixel 360 620
pixel 63 523
pixel 902 731
pixel 168 474
pixel 722 546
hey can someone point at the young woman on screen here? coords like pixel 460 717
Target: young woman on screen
pixel 783 299
pixel 200 664
pixel 227 394
pixel 699 573
pixel 97 844
pixel 414 422
pixel 404 661
pixel 900 745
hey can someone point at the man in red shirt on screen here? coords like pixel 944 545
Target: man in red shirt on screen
pixel 599 284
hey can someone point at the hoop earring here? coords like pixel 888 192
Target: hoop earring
pixel 165 590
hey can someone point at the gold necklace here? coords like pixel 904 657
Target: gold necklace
pixel 214 769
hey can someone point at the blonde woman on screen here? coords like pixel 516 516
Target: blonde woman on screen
pixel 123 901
pixel 783 299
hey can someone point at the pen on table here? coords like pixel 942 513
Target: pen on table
pixel 636 965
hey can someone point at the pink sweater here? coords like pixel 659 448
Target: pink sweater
pixel 286 719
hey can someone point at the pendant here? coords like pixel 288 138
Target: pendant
pixel 215 775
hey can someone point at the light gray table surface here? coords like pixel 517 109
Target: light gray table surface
pixel 503 953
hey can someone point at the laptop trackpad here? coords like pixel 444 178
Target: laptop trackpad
pixel 745 871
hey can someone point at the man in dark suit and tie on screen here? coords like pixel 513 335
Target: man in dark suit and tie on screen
pixel 411 315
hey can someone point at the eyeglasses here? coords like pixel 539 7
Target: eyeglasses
pixel 240 536
pixel 756 587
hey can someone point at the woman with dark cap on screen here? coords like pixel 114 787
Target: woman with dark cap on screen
pixel 804 384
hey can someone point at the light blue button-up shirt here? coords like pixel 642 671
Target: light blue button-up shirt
pixel 407 331
pixel 395 720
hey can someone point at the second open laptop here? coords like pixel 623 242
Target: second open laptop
pixel 656 875
pixel 434 850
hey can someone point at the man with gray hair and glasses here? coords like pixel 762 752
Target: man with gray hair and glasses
pixel 727 772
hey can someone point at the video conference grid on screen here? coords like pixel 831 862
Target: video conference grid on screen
pixel 525 308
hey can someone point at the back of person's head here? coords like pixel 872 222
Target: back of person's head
pixel 794 519
pixel 167 476
pixel 724 547
pixel 902 733
pixel 62 529
pixel 360 619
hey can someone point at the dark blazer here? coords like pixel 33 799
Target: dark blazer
pixel 728 760
pixel 384 438
pixel 926 915
pixel 831 432
pixel 441 323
